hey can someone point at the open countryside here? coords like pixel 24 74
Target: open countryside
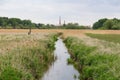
pixel 26 56
pixel 59 39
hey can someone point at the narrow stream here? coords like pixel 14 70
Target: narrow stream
pixel 60 70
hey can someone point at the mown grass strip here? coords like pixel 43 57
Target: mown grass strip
pixel 91 65
pixel 108 37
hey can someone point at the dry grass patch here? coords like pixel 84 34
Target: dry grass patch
pixel 25 57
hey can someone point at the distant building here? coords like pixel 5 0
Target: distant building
pixel 60 21
pixel 64 23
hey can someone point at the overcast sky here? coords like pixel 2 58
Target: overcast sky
pixel 84 12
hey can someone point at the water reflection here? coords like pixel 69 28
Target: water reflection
pixel 60 70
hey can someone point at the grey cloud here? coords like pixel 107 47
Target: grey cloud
pixel 83 11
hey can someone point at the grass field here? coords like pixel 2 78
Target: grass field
pixel 27 57
pixel 108 37
pixel 95 59
pixel 92 63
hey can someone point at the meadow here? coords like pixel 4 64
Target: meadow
pixel 25 57
pixel 28 57
pixel 108 37
pixel 94 56
pixel 91 64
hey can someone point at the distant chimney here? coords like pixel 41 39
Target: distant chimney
pixel 59 20
pixel 64 23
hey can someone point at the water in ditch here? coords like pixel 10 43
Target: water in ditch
pixel 60 70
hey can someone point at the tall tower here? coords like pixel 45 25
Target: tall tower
pixel 64 23
pixel 59 20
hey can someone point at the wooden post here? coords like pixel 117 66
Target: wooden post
pixel 29 31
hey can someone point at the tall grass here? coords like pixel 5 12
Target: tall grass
pixel 108 37
pixel 91 65
pixel 28 62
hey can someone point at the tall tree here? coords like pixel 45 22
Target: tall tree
pixel 99 23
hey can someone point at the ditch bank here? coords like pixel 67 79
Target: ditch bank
pixel 28 62
pixel 91 65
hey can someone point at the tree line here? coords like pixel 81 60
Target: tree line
pixel 107 24
pixel 16 23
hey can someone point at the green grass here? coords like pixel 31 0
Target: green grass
pixel 10 73
pixel 108 37
pixel 91 65
pixel 28 62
